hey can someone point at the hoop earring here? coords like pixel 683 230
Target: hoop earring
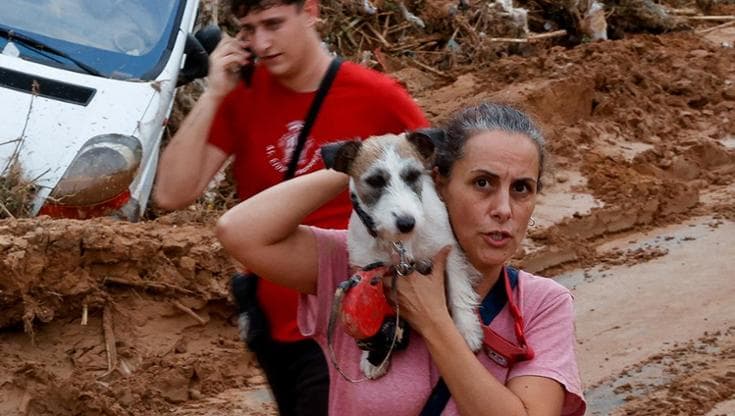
pixel 531 222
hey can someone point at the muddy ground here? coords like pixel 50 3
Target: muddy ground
pixel 638 219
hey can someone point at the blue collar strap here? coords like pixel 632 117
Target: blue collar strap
pixel 497 298
pixel 489 309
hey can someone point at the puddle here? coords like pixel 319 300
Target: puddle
pixel 255 401
pixel 605 398
pixel 562 200
pixel 616 146
pixel 723 195
pixel 643 304
pixel 662 240
pixel 723 408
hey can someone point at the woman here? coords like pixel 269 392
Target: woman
pixel 488 172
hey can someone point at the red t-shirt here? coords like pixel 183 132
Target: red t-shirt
pixel 260 126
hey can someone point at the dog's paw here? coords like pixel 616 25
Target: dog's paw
pixel 471 330
pixel 371 371
pixel 474 339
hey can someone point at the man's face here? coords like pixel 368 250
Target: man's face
pixel 277 35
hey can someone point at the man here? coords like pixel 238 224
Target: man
pixel 258 122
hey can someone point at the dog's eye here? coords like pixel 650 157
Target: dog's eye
pixel 376 181
pixel 411 176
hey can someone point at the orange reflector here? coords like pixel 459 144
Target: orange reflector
pixel 88 211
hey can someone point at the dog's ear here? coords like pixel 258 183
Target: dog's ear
pixel 426 140
pixel 339 155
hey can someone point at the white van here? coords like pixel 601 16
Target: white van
pixel 86 88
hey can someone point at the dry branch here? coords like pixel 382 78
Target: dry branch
pixel 85 314
pixel 147 285
pixel 6 211
pixel 715 18
pixel 109 338
pixel 684 12
pixel 379 36
pixel 530 39
pixel 189 312
pixel 710 29
pixel 430 69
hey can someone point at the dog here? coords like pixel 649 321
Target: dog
pixel 395 200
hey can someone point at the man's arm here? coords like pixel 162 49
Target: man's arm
pixel 189 162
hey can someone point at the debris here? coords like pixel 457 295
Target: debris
pixel 643 15
pixel 368 7
pixel 518 16
pixel 594 24
pixel 415 20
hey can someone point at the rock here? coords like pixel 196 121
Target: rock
pixel 729 93
pixel 195 394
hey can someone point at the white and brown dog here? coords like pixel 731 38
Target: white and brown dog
pixel 395 200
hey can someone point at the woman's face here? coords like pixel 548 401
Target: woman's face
pixel 490 195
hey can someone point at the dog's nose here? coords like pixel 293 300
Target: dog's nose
pixel 405 223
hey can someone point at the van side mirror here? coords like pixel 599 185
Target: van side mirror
pixel 197 50
pixel 209 36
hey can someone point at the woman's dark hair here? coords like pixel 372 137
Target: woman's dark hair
pixel 481 118
pixel 241 8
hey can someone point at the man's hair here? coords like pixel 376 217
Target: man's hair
pixel 241 8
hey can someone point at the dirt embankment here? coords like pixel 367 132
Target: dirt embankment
pixel 161 287
pixel 646 124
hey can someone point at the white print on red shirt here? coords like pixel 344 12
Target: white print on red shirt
pixel 279 155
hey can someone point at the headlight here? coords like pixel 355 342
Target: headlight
pixel 101 171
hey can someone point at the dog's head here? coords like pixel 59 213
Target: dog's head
pixel 388 175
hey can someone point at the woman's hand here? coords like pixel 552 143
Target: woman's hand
pixel 422 298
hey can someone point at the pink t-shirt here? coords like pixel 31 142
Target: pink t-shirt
pixel 549 317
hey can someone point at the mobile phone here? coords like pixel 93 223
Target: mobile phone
pixel 246 72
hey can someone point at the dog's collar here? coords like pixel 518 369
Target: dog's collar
pixel 366 219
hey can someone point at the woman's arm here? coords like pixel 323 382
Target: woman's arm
pixel 263 232
pixel 423 303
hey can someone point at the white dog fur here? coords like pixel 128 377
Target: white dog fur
pixel 390 180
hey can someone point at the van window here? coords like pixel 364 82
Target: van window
pixel 119 38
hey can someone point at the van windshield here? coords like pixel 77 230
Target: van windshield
pixel 128 39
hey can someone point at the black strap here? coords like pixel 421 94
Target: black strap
pixel 321 93
pixel 489 309
pixel 366 219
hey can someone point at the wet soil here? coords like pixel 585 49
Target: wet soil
pixel 109 318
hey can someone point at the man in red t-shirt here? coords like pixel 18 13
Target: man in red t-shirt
pixel 258 122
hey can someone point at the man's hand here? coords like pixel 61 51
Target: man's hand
pixel 225 63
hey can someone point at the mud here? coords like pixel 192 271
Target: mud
pixel 640 133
